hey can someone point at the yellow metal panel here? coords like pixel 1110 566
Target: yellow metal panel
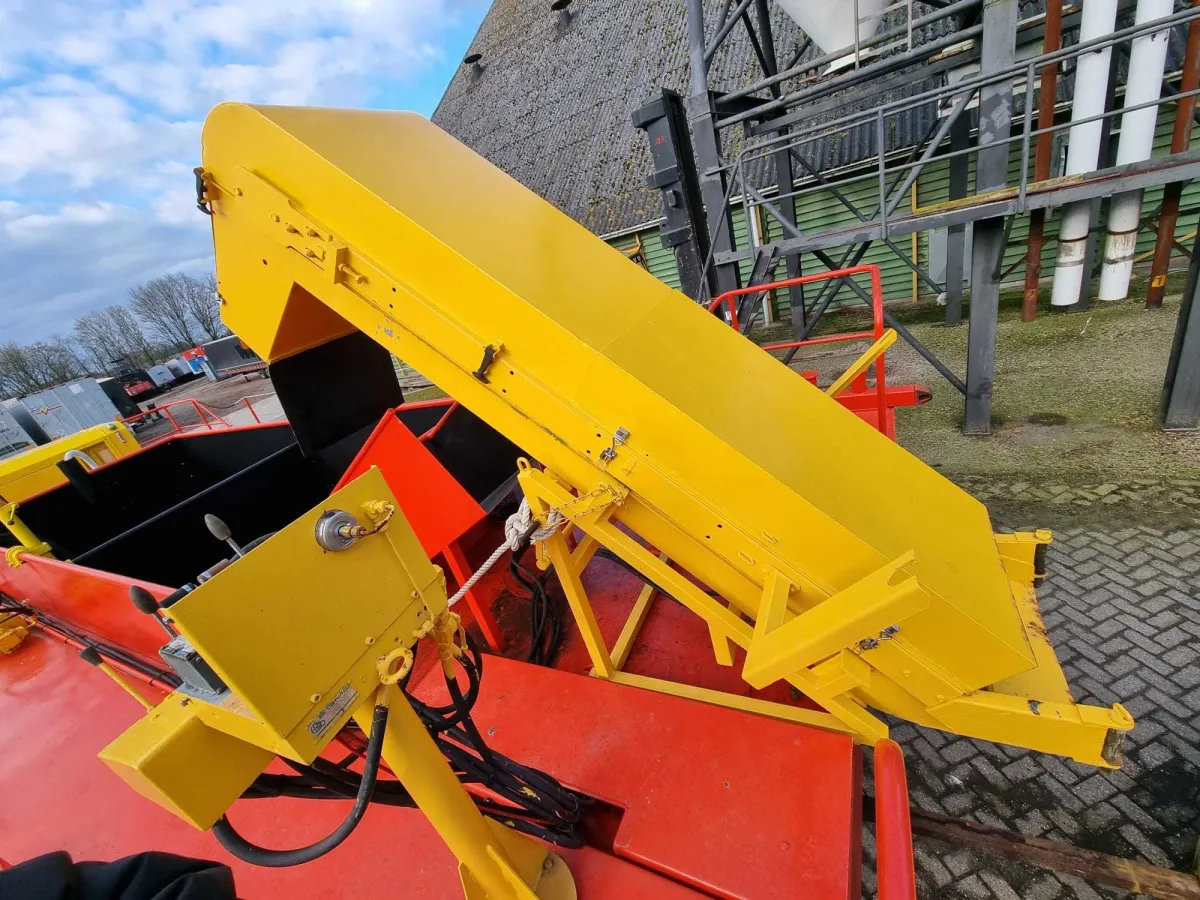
pixel 289 628
pixel 1018 553
pixel 36 470
pixel 171 757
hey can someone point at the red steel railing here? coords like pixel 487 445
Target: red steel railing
pixel 876 332
pixel 208 419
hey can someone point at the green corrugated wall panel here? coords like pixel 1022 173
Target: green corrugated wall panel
pixel 821 210
pixel 659 259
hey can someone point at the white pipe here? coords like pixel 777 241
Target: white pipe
pixel 82 457
pixel 1083 148
pixel 1146 62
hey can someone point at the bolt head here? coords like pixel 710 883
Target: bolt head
pixel 315 698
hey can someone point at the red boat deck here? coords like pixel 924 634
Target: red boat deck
pixel 736 805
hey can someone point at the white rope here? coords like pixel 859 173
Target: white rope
pixel 515 528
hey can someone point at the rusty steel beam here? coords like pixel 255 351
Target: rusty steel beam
pixel 1180 139
pixel 1041 161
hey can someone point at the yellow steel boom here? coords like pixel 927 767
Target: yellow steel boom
pixel 845 564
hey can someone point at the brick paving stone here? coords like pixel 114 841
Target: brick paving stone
pixel 1126 632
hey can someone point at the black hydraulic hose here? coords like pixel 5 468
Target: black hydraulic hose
pixel 164 677
pixel 261 856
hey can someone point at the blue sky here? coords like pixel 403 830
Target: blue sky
pixel 101 104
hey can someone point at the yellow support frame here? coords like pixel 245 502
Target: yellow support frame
pixel 27 541
pixel 820 651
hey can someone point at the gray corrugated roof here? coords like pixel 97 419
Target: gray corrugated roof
pixel 553 106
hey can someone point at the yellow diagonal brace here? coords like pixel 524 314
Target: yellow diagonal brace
pixel 633 625
pixel 543 491
pixel 722 649
pixel 861 364
pixel 773 607
pixel 861 610
pixel 589 629
pixel 867 728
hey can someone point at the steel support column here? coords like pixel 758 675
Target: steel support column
pixel 785 177
pixel 1180 139
pixel 702 118
pixel 995 120
pixel 956 235
pixel 1179 409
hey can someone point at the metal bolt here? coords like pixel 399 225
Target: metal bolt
pixel 548 864
pixel 315 698
pixel 416 595
pixel 370 641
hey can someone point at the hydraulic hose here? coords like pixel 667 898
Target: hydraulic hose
pixel 261 856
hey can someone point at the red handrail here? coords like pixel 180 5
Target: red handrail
pixel 253 414
pixel 202 412
pixel 432 432
pixel 876 315
pixel 893 825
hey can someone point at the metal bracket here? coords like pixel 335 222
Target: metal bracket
pixel 490 352
pixel 608 454
pixel 202 201
pixel 864 609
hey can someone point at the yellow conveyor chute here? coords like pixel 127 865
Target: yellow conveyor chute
pixel 846 565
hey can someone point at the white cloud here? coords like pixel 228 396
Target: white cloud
pixel 101 112
pixel 177 206
pixel 36 226
pixel 58 264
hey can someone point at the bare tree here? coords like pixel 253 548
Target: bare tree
pixel 163 305
pixel 53 361
pixel 17 376
pixel 112 334
pixel 200 296
pixel 42 364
